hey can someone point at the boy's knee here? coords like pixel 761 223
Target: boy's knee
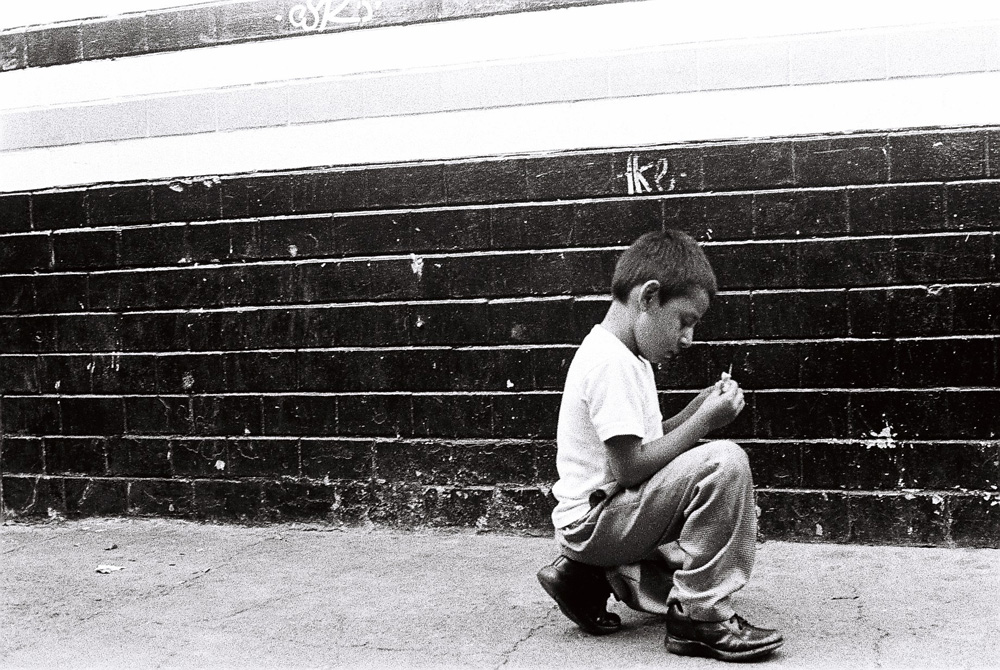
pixel 728 456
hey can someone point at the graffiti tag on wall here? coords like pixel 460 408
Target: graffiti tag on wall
pixel 635 175
pixel 317 15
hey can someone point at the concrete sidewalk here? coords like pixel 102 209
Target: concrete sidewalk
pixel 206 596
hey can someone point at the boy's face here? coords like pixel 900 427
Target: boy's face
pixel 662 331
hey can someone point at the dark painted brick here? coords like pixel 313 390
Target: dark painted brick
pixel 450 323
pixel 872 466
pixel 525 415
pixel 122 291
pixel 846 263
pixel 301 415
pixel 536 322
pixel 348 371
pixel 977 309
pixel 374 415
pixel 974 466
pixel 30 416
pixel 445 506
pixel 120 36
pixel 90 250
pixel 449 230
pixel 573 176
pixel 333 503
pixel 407 185
pixel 120 205
pixel 588 313
pixel 974 206
pixel 900 312
pixel 261 285
pixel 152 332
pixel 187 28
pixel 908 414
pixel 292 238
pixel 116 374
pixel 397 504
pixel 24 253
pixel 27 334
pixel 22 456
pixel 613 222
pixel 19 374
pixel 748 166
pixel 187 200
pixel 937 156
pixel 728 318
pixel 356 326
pixel 150 247
pixel 946 363
pixel 96 497
pixel 494 463
pixel 519 509
pixel 898 209
pixel 92 416
pixel 160 498
pixel 88 332
pixel 897 519
pixel 756 366
pixel 800 213
pixel 804 516
pixel 54 46
pixel 486 181
pixel 788 414
pixel 13 48
pixel 262 371
pixel 17 295
pixel 719 217
pixel 329 191
pixel 59 209
pixel 754 265
pixel 842 160
pixel 32 496
pixel 371 234
pixel 271 328
pixel 211 331
pixel 256 196
pixel 161 415
pixel 227 415
pixel 536 227
pixel 775 465
pixel 79 456
pixel 975 520
pixel 350 460
pixel 61 293
pixel 568 273
pixel 15 210
pixel 346 280
pixel 944 259
pixel 192 374
pixel 415 462
pixel 787 315
pixel 849 365
pixel 972 414
pixel 548 368
pixel 452 416
pixel 129 457
pixel 65 374
pixel 191 287
pixel 200 458
pixel 250 20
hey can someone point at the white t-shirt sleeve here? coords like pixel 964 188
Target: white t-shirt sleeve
pixel 615 401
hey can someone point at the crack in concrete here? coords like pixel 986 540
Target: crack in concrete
pixel 524 638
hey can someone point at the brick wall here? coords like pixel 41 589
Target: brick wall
pixel 388 344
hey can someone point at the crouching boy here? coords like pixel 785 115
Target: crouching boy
pixel 645 509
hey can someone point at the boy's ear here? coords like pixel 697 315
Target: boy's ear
pixel 649 292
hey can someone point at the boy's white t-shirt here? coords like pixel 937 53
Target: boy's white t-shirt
pixel 609 391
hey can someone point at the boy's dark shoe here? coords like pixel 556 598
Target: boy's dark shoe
pixel 731 640
pixel 581 591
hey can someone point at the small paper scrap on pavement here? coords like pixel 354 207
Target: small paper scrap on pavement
pixel 108 569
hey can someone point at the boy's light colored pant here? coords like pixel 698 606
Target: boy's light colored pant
pixel 686 535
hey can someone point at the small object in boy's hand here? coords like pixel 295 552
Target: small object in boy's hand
pixel 725 378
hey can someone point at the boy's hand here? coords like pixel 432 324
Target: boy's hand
pixel 722 405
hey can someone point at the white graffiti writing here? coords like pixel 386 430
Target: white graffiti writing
pixel 637 182
pixel 316 15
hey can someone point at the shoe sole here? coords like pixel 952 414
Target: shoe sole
pixel 585 626
pixel 695 648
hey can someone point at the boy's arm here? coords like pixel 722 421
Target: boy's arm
pixel 633 462
pixel 677 419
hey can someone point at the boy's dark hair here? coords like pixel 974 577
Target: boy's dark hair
pixel 671 257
